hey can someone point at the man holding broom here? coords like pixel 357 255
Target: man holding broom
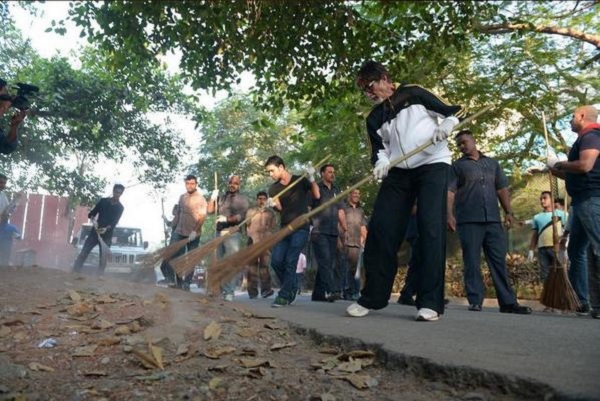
pixel 405 117
pixel 582 177
pixel 293 203
pixel 109 211
pixel 232 208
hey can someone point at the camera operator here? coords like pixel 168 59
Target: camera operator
pixel 9 140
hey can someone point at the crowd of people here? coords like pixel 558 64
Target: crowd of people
pixel 421 197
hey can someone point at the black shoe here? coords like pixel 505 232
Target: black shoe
pixel 318 298
pixel 446 301
pixel 406 301
pixel 334 296
pixel 252 296
pixel 267 294
pixel 595 314
pixel 583 310
pixel 516 308
pixel 475 307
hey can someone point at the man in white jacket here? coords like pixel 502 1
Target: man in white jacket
pixel 405 117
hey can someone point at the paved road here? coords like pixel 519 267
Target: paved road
pixel 562 351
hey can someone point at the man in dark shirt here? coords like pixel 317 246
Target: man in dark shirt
pixel 293 203
pixel 476 184
pixel 232 208
pixel 324 237
pixel 582 177
pixel 109 211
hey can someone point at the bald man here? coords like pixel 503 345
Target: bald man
pixel 582 177
pixel 231 209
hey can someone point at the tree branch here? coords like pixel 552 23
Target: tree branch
pixel 553 30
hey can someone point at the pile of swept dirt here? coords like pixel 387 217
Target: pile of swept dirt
pixel 115 340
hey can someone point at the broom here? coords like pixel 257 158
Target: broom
pixel 558 292
pixel 185 264
pixel 228 267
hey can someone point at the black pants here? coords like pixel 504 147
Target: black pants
pixel 325 248
pixel 90 242
pixel 409 289
pixel 428 185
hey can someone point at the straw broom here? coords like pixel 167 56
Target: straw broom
pixel 227 268
pixel 185 264
pixel 558 292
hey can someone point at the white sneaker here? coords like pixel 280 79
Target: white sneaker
pixel 229 297
pixel 355 310
pixel 427 315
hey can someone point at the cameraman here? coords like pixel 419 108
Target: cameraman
pixel 8 141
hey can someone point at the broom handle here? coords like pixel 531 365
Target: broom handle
pixel 398 160
pixel 555 243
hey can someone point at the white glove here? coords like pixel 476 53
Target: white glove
pixel 442 132
pixel 214 195
pixel 221 219
pixel 310 173
pixel 381 168
pixel 270 202
pixel 530 256
pixel 192 236
pixel 551 159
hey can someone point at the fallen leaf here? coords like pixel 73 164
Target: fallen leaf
pixel 253 363
pixel 74 295
pixel 249 351
pixel 39 367
pixel 182 349
pixel 247 333
pixel 331 351
pixel 86 350
pixel 20 336
pixel 228 320
pixel 95 373
pixel 135 327
pixel 157 354
pixel 214 383
pixel 107 342
pixel 147 360
pixel 356 354
pixel 122 331
pixel 218 368
pixel 276 347
pixel 105 299
pixel 212 331
pixel 16 322
pixel 361 382
pixel 102 324
pixel 4 331
pixel 352 366
pixel 79 308
pixel 162 298
pixel 273 326
pixel 216 353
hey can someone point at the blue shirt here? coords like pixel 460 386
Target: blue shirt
pixel 8 233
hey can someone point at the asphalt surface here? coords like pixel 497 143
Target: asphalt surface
pixel 526 352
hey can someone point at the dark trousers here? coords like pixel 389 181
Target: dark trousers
pixel 491 238
pixel 258 271
pixel 546 259
pixel 90 242
pixel 284 260
pixel 325 248
pixel 409 288
pixel 185 249
pixel 352 284
pixel 428 185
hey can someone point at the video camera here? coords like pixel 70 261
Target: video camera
pixel 20 100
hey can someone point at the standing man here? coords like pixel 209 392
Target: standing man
pixel 324 237
pixel 477 183
pixel 405 117
pixel 109 211
pixel 8 233
pixel 192 212
pixel 582 177
pixel 354 241
pixel 292 204
pixel 261 224
pixel 542 237
pixel 232 207
pixel 9 141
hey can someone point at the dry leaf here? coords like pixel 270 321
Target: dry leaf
pixel 107 342
pixel 212 331
pixel 161 298
pixel 217 352
pixel 4 331
pixel 352 366
pixel 214 383
pixel 157 354
pixel 247 333
pixel 273 326
pixel 20 336
pixel 147 360
pixel 79 308
pixel 218 368
pixel 122 331
pixel 182 349
pixel 135 327
pixel 102 324
pixel 331 351
pixel 105 299
pixel 249 351
pixel 16 322
pixel 95 373
pixel 86 350
pixel 361 382
pixel 276 347
pixel 228 320
pixel 356 354
pixel 254 363
pixel 74 295
pixel 39 367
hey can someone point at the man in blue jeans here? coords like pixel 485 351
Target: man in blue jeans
pixel 293 203
pixel 582 177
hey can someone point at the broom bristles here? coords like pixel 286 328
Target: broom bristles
pixel 558 293
pixel 163 253
pixel 227 268
pixel 186 263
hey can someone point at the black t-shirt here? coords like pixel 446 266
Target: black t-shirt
pixel 584 186
pixel 294 202
pixel 109 213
